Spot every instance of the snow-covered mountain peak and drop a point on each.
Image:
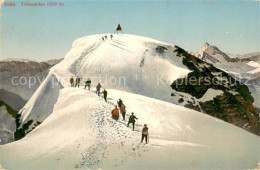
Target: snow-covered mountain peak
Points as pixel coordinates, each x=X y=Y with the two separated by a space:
x=124 y=63
x=202 y=49
x=131 y=39
x=130 y=43
x=78 y=130
x=212 y=54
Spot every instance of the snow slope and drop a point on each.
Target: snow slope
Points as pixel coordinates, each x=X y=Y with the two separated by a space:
x=127 y=62
x=77 y=130
x=210 y=95
x=80 y=133
x=41 y=103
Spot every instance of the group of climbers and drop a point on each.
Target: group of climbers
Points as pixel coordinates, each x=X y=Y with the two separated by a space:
x=105 y=37
x=122 y=108
x=104 y=92
x=115 y=111
x=132 y=118
x=115 y=114
x=76 y=83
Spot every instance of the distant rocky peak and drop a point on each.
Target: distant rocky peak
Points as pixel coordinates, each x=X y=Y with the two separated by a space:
x=213 y=54
x=202 y=49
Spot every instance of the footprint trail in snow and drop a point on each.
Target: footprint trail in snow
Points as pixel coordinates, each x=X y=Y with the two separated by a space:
x=113 y=136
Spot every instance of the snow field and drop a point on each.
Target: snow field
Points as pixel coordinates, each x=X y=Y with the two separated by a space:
x=78 y=131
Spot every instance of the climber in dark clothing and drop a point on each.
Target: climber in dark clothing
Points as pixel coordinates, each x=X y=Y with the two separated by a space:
x=122 y=110
x=105 y=94
x=144 y=133
x=132 y=120
x=98 y=89
x=77 y=82
x=88 y=84
x=119 y=103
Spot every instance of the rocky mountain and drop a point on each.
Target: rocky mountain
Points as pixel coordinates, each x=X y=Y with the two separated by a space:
x=202 y=49
x=54 y=61
x=7 y=123
x=19 y=79
x=252 y=56
x=244 y=68
x=230 y=100
x=12 y=99
x=212 y=54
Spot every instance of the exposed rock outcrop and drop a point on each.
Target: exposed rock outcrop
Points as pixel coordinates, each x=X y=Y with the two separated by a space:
x=235 y=105
x=7 y=125
x=19 y=79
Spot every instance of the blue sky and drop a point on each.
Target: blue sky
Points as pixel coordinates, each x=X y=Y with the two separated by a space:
x=43 y=33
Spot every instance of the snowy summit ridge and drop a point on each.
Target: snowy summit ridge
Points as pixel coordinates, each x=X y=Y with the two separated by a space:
x=78 y=130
